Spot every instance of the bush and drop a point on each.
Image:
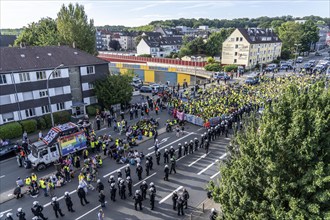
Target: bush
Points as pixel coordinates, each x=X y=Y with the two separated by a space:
x=91 y=110
x=145 y=55
x=61 y=117
x=29 y=126
x=11 y=130
x=48 y=121
x=41 y=123
x=215 y=67
x=231 y=67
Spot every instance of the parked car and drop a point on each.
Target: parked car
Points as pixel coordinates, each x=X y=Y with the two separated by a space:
x=327 y=58
x=319 y=68
x=221 y=76
x=285 y=66
x=300 y=60
x=252 y=80
x=312 y=63
x=7 y=149
x=136 y=82
x=271 y=67
x=146 y=89
x=318 y=53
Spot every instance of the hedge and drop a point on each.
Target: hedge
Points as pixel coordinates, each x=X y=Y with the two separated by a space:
x=29 y=125
x=59 y=118
x=41 y=123
x=91 y=109
x=11 y=130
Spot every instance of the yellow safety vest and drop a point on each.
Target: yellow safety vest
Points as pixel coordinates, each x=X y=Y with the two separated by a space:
x=34 y=177
x=103 y=146
x=92 y=144
x=27 y=181
x=42 y=184
x=81 y=177
x=100 y=161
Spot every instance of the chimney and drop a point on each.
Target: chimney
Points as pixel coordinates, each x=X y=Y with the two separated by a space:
x=74 y=44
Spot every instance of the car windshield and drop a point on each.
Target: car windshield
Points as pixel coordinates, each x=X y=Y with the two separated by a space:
x=34 y=151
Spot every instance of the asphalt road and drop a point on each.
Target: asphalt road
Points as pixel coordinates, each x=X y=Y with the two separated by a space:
x=194 y=171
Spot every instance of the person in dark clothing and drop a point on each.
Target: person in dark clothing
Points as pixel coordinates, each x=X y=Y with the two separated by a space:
x=102 y=198
x=185 y=152
x=137 y=199
x=166 y=171
x=196 y=144
x=37 y=210
x=20 y=214
x=9 y=216
x=109 y=118
x=128 y=171
x=214 y=214
x=144 y=188
x=151 y=163
x=180 y=202
x=122 y=189
x=68 y=202
x=158 y=155
x=129 y=185
x=82 y=195
x=139 y=171
x=166 y=156
x=207 y=144
x=98 y=123
x=171 y=151
x=99 y=185
x=113 y=190
x=180 y=151
x=152 y=195
x=191 y=147
x=173 y=164
x=147 y=167
x=56 y=207
x=174 y=199
x=185 y=196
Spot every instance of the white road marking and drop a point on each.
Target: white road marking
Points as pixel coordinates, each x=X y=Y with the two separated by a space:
x=201 y=157
x=1 y=213
x=208 y=167
x=2 y=176
x=216 y=174
x=123 y=167
x=161 y=142
x=227 y=138
x=92 y=210
x=10 y=195
x=144 y=179
x=169 y=195
x=48 y=204
x=200 y=129
x=103 y=129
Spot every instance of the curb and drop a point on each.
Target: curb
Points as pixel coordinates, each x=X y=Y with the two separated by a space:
x=8 y=195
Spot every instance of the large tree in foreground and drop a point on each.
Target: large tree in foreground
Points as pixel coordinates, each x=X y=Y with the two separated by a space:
x=278 y=166
x=115 y=89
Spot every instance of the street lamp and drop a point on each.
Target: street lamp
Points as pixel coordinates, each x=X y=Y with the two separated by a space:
x=49 y=103
x=295 y=59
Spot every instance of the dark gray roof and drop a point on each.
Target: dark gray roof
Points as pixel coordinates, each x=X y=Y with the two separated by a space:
x=36 y=58
x=162 y=41
x=151 y=34
x=258 y=35
x=6 y=40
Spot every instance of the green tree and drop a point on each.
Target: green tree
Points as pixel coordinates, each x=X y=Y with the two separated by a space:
x=115 y=89
x=310 y=35
x=290 y=33
x=214 y=67
x=73 y=27
x=42 y=33
x=213 y=45
x=114 y=44
x=230 y=67
x=278 y=166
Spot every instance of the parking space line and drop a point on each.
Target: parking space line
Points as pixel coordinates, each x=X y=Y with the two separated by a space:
x=123 y=167
x=216 y=174
x=92 y=210
x=208 y=167
x=201 y=157
x=48 y=204
x=169 y=195
x=144 y=179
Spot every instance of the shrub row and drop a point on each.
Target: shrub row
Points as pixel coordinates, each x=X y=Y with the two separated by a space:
x=92 y=109
x=16 y=129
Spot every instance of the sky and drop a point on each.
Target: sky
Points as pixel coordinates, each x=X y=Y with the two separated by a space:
x=16 y=14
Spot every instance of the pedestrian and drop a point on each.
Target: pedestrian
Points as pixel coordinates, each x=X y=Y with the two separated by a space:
x=113 y=192
x=166 y=156
x=102 y=198
x=100 y=215
x=180 y=203
x=82 y=195
x=158 y=155
x=174 y=199
x=129 y=185
x=20 y=214
x=68 y=202
x=139 y=171
x=166 y=171
x=144 y=188
x=173 y=164
x=137 y=199
x=185 y=196
x=214 y=214
x=152 y=195
x=37 y=210
x=56 y=207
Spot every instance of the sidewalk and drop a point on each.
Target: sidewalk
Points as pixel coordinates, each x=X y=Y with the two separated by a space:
x=203 y=210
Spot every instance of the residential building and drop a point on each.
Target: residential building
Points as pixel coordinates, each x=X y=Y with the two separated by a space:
x=322 y=42
x=248 y=47
x=24 y=72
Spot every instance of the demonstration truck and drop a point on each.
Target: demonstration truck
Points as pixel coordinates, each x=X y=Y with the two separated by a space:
x=59 y=142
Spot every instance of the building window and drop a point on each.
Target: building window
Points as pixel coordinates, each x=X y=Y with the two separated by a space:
x=43 y=93
x=60 y=106
x=30 y=112
x=3 y=79
x=57 y=74
x=27 y=96
x=5 y=99
x=59 y=91
x=91 y=85
x=236 y=38
x=45 y=109
x=90 y=70
x=236 y=46
x=241 y=39
x=6 y=117
x=235 y=53
x=235 y=60
x=41 y=75
x=24 y=77
x=250 y=61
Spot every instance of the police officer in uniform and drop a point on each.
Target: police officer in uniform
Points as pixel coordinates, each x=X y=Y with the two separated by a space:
x=56 y=207
x=127 y=171
x=174 y=199
x=185 y=152
x=144 y=188
x=119 y=174
x=191 y=147
x=180 y=202
x=111 y=180
x=173 y=164
x=139 y=171
x=137 y=199
x=166 y=156
x=147 y=167
x=152 y=185
x=171 y=152
x=118 y=184
x=202 y=140
x=214 y=214
x=196 y=144
x=129 y=185
x=68 y=202
x=185 y=196
x=82 y=195
x=122 y=189
x=37 y=210
x=151 y=163
x=158 y=155
x=166 y=171
x=207 y=144
x=113 y=190
x=9 y=216
x=152 y=195
x=99 y=185
x=20 y=214
x=180 y=150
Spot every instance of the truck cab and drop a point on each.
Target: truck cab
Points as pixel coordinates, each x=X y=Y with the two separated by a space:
x=59 y=141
